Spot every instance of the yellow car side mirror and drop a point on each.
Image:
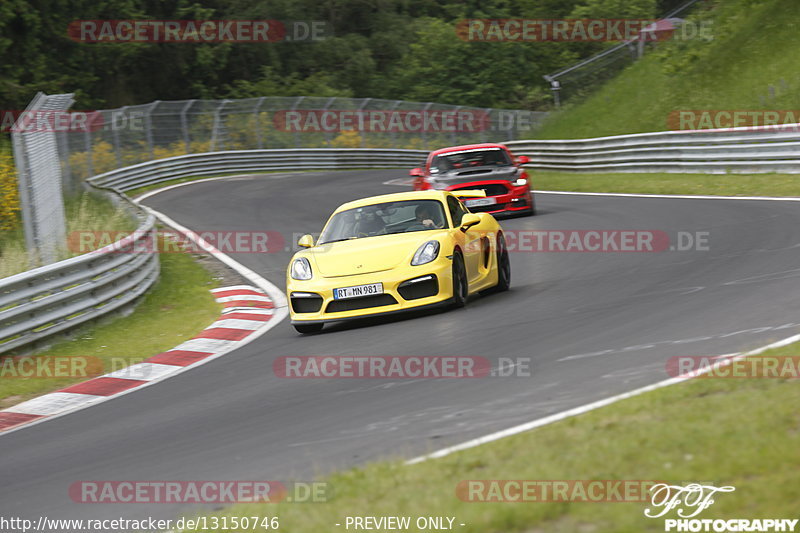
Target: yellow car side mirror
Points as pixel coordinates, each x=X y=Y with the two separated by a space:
x=469 y=220
x=306 y=241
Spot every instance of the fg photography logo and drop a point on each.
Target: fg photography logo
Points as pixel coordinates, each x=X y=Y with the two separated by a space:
x=689 y=501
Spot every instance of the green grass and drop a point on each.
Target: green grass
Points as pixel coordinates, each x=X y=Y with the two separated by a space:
x=743 y=432
x=750 y=64
x=87 y=212
x=664 y=183
x=174 y=310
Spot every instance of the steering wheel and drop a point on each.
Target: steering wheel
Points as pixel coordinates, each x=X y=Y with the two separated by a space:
x=381 y=231
x=417 y=227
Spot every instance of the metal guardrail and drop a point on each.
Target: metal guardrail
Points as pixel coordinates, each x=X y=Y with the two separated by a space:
x=239 y=161
x=51 y=299
x=742 y=150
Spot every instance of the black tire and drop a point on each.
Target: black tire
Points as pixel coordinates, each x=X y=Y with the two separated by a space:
x=308 y=328
x=503 y=265
x=460 y=283
x=532 y=210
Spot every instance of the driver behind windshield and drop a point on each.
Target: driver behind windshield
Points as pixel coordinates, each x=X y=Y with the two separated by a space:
x=425 y=218
x=371 y=223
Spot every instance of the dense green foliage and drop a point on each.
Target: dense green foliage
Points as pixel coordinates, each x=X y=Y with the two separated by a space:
x=405 y=49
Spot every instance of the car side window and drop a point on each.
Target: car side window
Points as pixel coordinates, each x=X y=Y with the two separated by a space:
x=457 y=210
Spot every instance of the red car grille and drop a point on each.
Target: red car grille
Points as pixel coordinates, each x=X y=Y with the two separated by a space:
x=487 y=208
x=491 y=189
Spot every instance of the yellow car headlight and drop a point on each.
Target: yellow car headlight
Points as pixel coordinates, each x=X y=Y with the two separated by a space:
x=301 y=269
x=426 y=253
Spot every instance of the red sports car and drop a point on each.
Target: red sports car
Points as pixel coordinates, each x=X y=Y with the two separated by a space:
x=487 y=167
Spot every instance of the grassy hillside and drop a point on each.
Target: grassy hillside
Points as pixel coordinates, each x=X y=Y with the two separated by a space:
x=751 y=63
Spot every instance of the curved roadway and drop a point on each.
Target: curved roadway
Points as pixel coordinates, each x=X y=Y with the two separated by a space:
x=592 y=324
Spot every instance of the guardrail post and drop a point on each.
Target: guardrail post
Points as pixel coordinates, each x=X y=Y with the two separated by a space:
x=187 y=141
x=257 y=122
x=425 y=131
x=148 y=128
x=364 y=102
x=297 y=133
x=453 y=139
x=557 y=93
x=71 y=183
x=486 y=132
x=115 y=135
x=218 y=126
x=326 y=133
x=87 y=140
x=393 y=134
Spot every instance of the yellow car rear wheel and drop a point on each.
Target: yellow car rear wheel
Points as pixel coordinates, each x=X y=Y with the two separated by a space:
x=460 y=283
x=503 y=265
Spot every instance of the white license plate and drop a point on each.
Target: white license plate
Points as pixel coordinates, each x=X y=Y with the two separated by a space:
x=477 y=202
x=358 y=290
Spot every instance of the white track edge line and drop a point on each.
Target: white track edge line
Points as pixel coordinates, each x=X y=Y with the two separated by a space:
x=676 y=196
x=278 y=298
x=620 y=194
x=535 y=423
x=584 y=408
x=148 y=194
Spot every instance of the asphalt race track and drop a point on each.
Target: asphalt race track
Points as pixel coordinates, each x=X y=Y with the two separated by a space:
x=592 y=324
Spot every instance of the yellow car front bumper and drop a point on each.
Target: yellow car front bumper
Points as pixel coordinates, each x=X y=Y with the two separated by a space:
x=408 y=288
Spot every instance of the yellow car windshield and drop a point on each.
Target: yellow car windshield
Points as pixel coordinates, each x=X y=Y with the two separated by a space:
x=385 y=218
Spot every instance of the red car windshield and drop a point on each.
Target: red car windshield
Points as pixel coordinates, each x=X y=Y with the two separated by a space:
x=496 y=157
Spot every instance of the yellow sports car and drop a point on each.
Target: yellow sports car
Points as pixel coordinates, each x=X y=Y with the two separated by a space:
x=394 y=253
